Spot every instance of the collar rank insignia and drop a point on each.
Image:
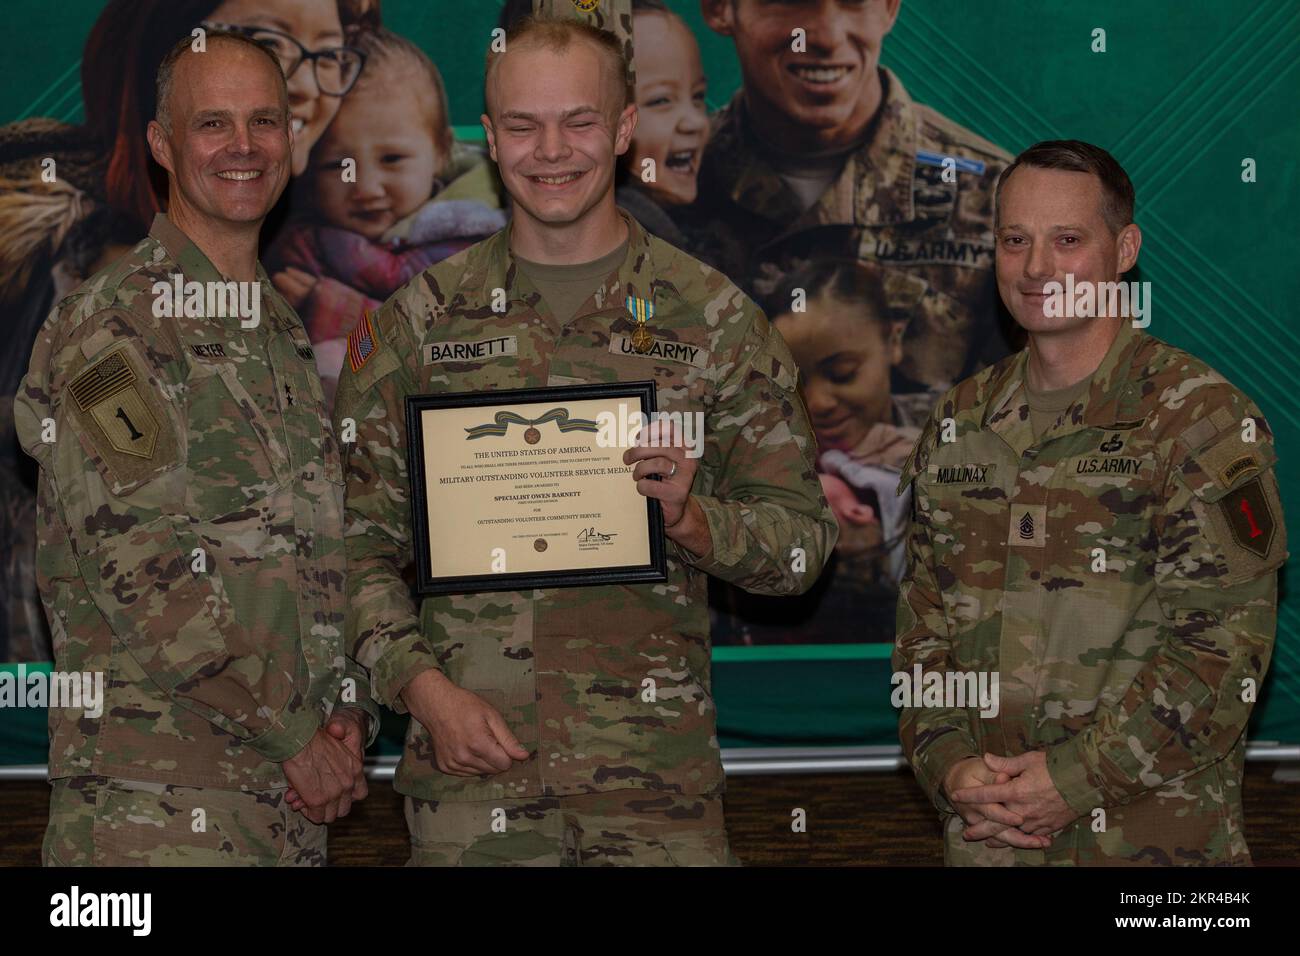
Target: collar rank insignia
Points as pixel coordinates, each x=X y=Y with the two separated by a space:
x=641 y=309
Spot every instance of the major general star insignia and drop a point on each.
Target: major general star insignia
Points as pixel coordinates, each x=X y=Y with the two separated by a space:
x=109 y=393
x=641 y=309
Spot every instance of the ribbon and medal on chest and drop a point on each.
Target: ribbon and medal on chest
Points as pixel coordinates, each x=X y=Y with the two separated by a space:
x=642 y=342
x=641 y=309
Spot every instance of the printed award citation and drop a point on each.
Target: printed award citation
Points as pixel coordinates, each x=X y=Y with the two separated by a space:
x=526 y=488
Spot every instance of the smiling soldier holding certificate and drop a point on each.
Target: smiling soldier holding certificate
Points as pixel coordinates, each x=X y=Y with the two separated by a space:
x=568 y=724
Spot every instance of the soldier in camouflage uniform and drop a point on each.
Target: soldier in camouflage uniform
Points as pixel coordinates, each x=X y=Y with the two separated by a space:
x=1114 y=562
x=191 y=523
x=532 y=739
x=798 y=169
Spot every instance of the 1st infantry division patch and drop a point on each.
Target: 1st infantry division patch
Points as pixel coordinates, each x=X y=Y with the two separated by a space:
x=1250 y=517
x=109 y=393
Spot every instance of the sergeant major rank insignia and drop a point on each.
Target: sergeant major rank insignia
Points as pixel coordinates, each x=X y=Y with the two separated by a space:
x=1028 y=526
x=109 y=393
x=641 y=309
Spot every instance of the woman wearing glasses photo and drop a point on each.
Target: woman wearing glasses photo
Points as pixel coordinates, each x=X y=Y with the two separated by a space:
x=308 y=38
x=106 y=192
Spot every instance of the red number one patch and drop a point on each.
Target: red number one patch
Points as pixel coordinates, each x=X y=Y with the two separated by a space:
x=1255 y=532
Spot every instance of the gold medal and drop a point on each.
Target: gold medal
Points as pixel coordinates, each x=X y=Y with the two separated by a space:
x=642 y=340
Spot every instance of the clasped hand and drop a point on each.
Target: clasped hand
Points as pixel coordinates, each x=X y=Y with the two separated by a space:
x=327 y=775
x=1008 y=801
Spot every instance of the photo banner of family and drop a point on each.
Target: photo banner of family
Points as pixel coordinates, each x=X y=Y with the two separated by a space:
x=849 y=192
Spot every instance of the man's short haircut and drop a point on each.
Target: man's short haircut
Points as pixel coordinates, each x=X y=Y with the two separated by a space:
x=1080 y=157
x=166 y=69
x=385 y=50
x=555 y=34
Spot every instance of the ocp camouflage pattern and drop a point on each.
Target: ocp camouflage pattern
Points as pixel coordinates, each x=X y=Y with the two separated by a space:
x=107 y=821
x=565 y=666
x=1096 y=570
x=890 y=206
x=611 y=828
x=203 y=571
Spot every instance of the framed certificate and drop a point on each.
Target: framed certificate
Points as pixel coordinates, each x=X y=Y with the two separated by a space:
x=526 y=488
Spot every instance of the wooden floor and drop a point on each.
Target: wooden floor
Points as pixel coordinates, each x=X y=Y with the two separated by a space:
x=876 y=819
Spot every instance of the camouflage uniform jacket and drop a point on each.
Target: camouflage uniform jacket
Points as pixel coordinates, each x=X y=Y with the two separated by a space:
x=565 y=666
x=890 y=205
x=191 y=529
x=1119 y=574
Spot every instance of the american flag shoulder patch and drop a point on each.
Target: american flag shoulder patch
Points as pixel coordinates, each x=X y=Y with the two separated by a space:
x=361 y=343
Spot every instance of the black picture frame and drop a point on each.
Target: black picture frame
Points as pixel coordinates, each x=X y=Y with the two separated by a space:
x=426 y=583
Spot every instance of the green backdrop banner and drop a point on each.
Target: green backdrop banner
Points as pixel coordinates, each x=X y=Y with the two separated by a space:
x=1185 y=92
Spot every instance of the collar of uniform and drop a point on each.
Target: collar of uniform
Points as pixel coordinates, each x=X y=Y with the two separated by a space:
x=880 y=172
x=1006 y=411
x=195 y=266
x=282 y=315
x=635 y=276
x=884 y=167
x=1110 y=396
x=732 y=162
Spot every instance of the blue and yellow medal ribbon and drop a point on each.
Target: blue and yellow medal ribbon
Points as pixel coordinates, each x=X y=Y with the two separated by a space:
x=641 y=309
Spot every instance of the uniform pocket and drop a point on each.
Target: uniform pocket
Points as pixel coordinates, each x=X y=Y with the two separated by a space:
x=143 y=577
x=477 y=375
x=518 y=708
x=964 y=508
x=235 y=455
x=1104 y=505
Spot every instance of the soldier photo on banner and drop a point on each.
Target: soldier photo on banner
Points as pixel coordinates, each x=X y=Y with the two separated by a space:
x=819 y=162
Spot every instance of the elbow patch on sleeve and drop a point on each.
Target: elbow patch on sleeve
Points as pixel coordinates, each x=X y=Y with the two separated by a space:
x=143 y=585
